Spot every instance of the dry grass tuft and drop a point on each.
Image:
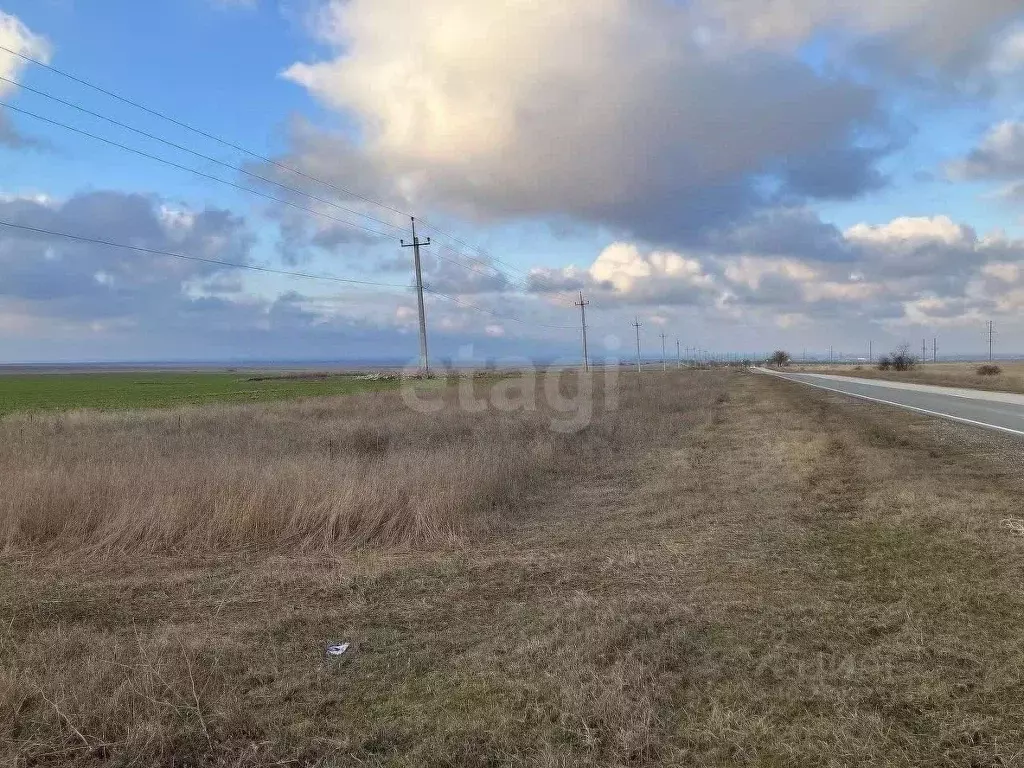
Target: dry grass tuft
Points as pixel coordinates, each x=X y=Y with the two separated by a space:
x=1008 y=377
x=312 y=476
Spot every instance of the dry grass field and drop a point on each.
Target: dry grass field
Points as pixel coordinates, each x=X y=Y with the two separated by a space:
x=727 y=569
x=941 y=374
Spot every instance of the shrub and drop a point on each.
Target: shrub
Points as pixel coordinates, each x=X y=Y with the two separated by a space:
x=989 y=370
x=902 y=359
x=884 y=363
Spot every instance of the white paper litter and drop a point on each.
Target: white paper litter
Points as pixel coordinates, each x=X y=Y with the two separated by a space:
x=1014 y=524
x=337 y=650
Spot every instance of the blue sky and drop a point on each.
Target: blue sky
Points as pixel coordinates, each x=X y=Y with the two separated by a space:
x=740 y=176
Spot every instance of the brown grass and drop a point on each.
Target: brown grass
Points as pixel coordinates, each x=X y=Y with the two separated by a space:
x=1009 y=379
x=762 y=574
x=359 y=470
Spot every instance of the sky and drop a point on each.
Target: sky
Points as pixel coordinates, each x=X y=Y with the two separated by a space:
x=738 y=175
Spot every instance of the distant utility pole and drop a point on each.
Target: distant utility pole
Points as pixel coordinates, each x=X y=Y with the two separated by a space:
x=637 y=326
x=991 y=334
x=830 y=356
x=664 y=364
x=679 y=355
x=935 y=349
x=415 y=245
x=583 y=317
x=871 y=351
x=924 y=350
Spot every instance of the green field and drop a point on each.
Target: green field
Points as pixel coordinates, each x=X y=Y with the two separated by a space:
x=118 y=391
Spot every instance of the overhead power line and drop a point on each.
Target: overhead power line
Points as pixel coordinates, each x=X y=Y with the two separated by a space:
x=238 y=169
x=194 y=171
x=498 y=315
x=194 y=153
x=197 y=131
x=258 y=268
x=488 y=261
x=190 y=257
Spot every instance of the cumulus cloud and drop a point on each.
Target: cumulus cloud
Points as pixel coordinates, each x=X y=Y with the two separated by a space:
x=911 y=232
x=75 y=281
x=909 y=271
x=17 y=37
x=940 y=33
x=1000 y=155
x=1008 y=56
x=627 y=274
x=606 y=110
x=65 y=299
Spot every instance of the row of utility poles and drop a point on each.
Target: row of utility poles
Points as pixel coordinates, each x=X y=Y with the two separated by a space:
x=416 y=244
x=991 y=332
x=692 y=353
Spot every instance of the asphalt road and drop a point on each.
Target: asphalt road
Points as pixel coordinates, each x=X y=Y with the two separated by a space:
x=1001 y=411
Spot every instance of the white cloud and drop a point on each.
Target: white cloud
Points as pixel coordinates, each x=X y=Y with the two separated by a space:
x=1008 y=56
x=912 y=231
x=938 y=31
x=17 y=37
x=750 y=271
x=1000 y=155
x=602 y=110
x=624 y=266
x=1007 y=273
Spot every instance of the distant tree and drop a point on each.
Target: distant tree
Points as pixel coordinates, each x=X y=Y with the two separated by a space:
x=780 y=358
x=903 y=359
x=885 y=363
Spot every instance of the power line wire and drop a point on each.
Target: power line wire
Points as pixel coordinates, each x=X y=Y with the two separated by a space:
x=257 y=268
x=195 y=171
x=485 y=261
x=193 y=152
x=262 y=158
x=237 y=169
x=189 y=257
x=511 y=318
x=193 y=129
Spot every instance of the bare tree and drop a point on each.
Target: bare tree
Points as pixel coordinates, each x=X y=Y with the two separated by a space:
x=780 y=358
x=900 y=360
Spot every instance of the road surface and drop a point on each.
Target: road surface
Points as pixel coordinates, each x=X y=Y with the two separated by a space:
x=1001 y=411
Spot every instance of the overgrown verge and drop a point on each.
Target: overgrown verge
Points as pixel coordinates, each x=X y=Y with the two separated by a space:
x=1006 y=378
x=313 y=476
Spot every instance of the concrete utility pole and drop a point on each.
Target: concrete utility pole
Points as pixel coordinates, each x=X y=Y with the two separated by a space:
x=871 y=351
x=830 y=355
x=583 y=317
x=664 y=365
x=991 y=334
x=924 y=350
x=637 y=326
x=935 y=349
x=679 y=355
x=415 y=245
